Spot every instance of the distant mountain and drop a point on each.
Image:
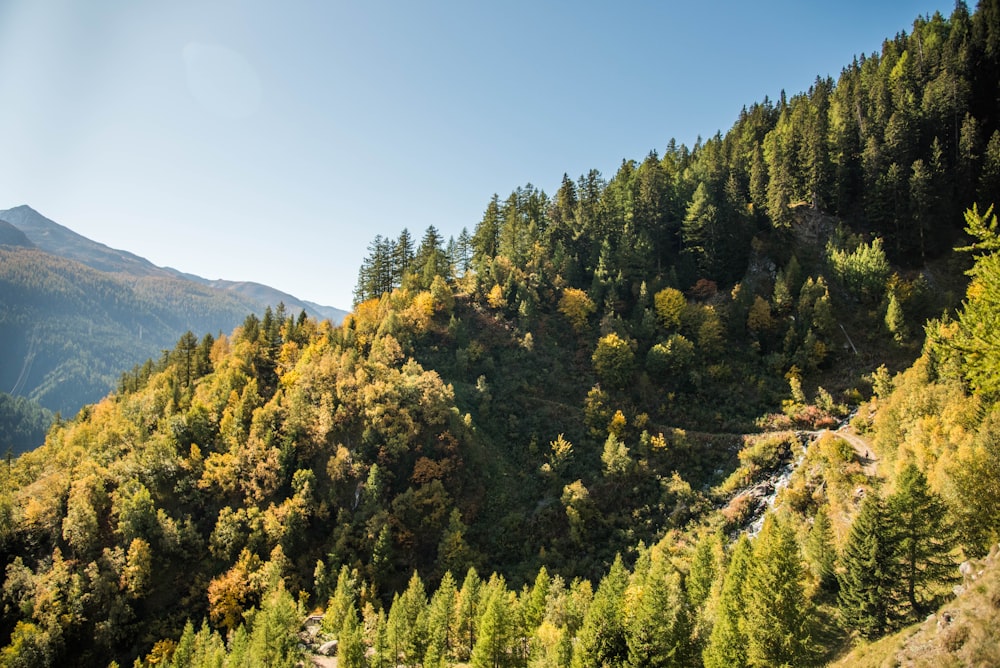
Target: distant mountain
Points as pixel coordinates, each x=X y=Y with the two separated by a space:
x=11 y=236
x=76 y=314
x=265 y=294
x=51 y=237
x=54 y=238
x=327 y=312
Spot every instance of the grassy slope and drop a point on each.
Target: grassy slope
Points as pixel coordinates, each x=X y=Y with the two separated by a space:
x=963 y=632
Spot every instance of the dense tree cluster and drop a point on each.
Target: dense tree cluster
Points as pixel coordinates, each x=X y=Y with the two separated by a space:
x=900 y=143
x=587 y=398
x=395 y=264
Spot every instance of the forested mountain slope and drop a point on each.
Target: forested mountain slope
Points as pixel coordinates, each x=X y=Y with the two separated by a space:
x=69 y=331
x=75 y=314
x=56 y=239
x=61 y=241
x=576 y=397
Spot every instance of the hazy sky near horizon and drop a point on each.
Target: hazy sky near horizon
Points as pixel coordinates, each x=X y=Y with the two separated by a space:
x=271 y=142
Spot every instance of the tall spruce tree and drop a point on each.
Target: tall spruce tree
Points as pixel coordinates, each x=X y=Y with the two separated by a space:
x=868 y=593
x=601 y=640
x=779 y=615
x=376 y=275
x=727 y=643
x=402 y=257
x=924 y=540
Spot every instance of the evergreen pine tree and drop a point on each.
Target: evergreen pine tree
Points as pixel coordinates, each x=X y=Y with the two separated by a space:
x=486 y=239
x=779 y=616
x=700 y=232
x=924 y=539
x=727 y=642
x=463 y=251
x=868 y=601
x=402 y=257
x=601 y=640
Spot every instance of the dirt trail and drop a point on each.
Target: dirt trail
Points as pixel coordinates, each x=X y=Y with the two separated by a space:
x=863 y=447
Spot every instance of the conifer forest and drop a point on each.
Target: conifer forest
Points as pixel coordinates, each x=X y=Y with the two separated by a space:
x=735 y=404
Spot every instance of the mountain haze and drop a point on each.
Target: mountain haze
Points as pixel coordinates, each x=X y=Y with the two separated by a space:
x=11 y=236
x=51 y=237
x=75 y=314
x=54 y=238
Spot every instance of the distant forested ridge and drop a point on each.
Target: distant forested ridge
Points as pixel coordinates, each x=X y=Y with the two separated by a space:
x=70 y=330
x=75 y=314
x=734 y=406
x=23 y=424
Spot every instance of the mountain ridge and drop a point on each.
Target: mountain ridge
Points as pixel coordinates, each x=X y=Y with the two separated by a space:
x=12 y=236
x=50 y=236
x=75 y=314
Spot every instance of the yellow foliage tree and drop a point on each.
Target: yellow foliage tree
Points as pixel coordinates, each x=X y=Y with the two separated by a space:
x=670 y=305
x=235 y=591
x=614 y=360
x=577 y=306
x=495 y=298
x=138 y=568
x=759 y=319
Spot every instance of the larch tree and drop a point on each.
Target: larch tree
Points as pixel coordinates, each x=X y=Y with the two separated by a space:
x=821 y=553
x=342 y=602
x=979 y=320
x=976 y=477
x=779 y=615
x=440 y=622
x=601 y=640
x=467 y=615
x=351 y=643
x=727 y=642
x=497 y=627
x=658 y=622
x=614 y=360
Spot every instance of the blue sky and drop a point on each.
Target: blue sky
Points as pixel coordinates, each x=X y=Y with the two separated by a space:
x=271 y=141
